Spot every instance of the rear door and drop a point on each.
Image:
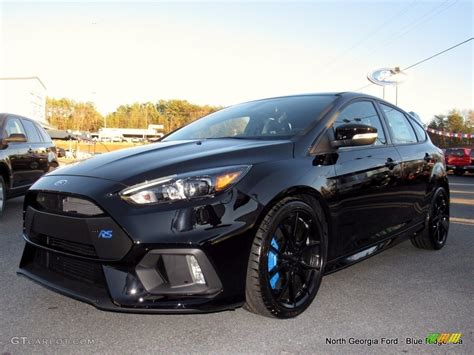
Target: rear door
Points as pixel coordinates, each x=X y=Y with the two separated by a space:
x=367 y=202
x=50 y=148
x=417 y=162
x=37 y=150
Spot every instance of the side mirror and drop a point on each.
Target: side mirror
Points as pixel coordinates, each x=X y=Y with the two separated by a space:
x=15 y=138
x=354 y=134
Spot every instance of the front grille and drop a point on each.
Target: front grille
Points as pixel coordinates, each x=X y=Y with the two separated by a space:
x=65 y=204
x=65 y=245
x=85 y=271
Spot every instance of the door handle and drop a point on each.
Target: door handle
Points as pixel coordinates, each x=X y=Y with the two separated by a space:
x=390 y=163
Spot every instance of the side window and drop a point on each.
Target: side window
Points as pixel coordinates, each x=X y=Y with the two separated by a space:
x=362 y=112
x=420 y=131
x=401 y=129
x=44 y=135
x=32 y=133
x=14 y=126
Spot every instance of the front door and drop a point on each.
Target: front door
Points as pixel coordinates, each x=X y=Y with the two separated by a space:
x=367 y=204
x=19 y=156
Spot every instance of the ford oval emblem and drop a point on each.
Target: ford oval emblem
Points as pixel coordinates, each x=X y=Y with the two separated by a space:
x=387 y=76
x=60 y=183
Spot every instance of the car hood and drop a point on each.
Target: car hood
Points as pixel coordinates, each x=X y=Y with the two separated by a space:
x=135 y=165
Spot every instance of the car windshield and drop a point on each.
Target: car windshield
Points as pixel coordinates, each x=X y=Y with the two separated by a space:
x=277 y=118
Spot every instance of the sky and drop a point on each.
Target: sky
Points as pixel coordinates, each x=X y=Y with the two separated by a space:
x=226 y=52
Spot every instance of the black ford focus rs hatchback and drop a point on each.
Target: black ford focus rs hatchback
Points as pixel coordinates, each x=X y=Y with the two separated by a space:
x=249 y=206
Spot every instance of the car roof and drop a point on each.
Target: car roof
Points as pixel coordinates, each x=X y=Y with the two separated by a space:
x=5 y=114
x=345 y=94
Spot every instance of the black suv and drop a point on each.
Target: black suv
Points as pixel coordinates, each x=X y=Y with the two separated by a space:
x=26 y=154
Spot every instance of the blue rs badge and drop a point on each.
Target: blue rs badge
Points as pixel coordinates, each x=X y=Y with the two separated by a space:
x=106 y=233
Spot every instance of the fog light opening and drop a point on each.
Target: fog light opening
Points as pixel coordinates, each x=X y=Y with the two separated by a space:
x=195 y=270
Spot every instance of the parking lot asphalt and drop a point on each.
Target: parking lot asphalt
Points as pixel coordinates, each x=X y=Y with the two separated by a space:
x=401 y=293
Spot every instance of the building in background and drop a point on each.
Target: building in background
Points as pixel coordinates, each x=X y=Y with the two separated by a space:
x=24 y=96
x=153 y=131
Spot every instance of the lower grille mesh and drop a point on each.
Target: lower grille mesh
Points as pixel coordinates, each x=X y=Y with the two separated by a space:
x=72 y=268
x=65 y=245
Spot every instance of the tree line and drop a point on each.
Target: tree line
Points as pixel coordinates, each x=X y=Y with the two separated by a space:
x=455 y=121
x=67 y=114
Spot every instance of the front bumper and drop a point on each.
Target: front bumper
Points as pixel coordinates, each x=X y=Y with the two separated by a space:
x=117 y=289
x=144 y=266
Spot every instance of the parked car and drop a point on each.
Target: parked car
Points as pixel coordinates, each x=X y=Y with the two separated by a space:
x=26 y=154
x=250 y=205
x=118 y=139
x=460 y=160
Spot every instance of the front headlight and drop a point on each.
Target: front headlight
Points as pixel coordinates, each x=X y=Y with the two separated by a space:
x=203 y=183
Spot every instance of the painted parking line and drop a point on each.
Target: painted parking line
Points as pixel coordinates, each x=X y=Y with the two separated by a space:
x=463 y=201
x=461 y=192
x=466 y=221
x=460 y=184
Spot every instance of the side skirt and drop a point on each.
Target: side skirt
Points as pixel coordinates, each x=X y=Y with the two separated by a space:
x=350 y=259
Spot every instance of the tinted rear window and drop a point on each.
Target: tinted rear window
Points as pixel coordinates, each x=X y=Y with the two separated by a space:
x=44 y=135
x=31 y=132
x=419 y=130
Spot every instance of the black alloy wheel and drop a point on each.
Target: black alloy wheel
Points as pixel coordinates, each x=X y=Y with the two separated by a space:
x=436 y=232
x=287 y=259
x=439 y=219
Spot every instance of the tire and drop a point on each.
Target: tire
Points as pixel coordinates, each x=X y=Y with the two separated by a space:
x=435 y=233
x=3 y=195
x=286 y=264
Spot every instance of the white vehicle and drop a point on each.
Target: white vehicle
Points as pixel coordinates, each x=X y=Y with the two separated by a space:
x=117 y=139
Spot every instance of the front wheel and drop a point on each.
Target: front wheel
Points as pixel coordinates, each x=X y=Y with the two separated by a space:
x=436 y=231
x=287 y=258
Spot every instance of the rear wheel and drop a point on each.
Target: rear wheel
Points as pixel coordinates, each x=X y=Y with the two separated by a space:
x=287 y=259
x=3 y=195
x=436 y=232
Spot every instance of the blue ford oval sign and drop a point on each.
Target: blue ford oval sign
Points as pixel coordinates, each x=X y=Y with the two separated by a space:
x=387 y=76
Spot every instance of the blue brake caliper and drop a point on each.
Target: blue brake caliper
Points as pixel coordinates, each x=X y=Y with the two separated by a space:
x=272 y=262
